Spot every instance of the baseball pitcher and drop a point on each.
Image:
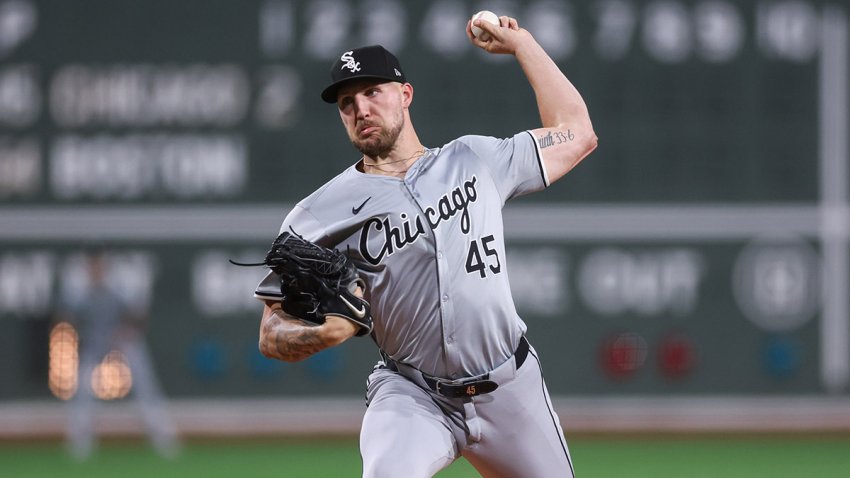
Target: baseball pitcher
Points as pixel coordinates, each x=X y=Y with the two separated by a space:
x=407 y=246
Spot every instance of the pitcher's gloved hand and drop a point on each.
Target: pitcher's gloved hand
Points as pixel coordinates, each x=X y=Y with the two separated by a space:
x=317 y=281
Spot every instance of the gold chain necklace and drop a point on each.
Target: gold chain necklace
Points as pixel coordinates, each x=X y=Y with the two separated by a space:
x=418 y=152
x=377 y=166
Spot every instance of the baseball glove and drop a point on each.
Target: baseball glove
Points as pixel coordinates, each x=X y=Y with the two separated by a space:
x=317 y=282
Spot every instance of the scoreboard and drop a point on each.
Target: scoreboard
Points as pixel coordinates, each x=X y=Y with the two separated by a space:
x=702 y=249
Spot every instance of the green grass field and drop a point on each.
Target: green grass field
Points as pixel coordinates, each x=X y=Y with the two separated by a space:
x=608 y=456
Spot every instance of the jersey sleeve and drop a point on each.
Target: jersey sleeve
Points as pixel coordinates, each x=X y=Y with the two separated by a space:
x=301 y=222
x=515 y=163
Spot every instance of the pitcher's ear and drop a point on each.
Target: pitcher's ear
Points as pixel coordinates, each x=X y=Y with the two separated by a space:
x=407 y=94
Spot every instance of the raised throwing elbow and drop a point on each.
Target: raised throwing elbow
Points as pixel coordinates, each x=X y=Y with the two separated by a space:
x=592 y=142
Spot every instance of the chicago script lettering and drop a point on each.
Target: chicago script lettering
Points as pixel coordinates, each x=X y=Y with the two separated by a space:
x=394 y=238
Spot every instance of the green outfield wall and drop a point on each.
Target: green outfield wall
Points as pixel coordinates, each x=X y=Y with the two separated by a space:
x=701 y=250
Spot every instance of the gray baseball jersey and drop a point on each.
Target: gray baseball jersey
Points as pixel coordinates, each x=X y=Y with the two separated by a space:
x=431 y=250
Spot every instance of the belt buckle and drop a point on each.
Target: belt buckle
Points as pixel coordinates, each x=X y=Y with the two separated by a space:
x=439 y=382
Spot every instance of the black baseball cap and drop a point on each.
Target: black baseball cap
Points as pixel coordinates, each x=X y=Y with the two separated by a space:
x=365 y=62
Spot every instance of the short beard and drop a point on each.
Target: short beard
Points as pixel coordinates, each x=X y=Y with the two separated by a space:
x=380 y=146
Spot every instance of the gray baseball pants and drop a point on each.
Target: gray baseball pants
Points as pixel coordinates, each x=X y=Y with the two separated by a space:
x=409 y=430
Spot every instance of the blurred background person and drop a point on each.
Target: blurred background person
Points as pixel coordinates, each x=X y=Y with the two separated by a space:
x=111 y=332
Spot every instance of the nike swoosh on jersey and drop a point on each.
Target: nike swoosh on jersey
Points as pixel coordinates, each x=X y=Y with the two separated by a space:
x=356 y=210
x=359 y=313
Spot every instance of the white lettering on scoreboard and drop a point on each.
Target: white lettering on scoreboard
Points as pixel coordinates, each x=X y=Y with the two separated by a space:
x=26 y=283
x=20 y=167
x=214 y=100
x=35 y=283
x=146 y=95
x=20 y=96
x=614 y=281
x=143 y=165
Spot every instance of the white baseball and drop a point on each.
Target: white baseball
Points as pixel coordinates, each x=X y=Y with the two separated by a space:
x=487 y=16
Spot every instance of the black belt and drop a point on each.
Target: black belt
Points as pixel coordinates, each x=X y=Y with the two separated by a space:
x=466 y=387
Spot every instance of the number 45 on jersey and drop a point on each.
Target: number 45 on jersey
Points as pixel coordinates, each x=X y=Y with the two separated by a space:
x=476 y=262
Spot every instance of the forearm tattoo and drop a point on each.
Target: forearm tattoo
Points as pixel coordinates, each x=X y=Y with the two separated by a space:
x=554 y=138
x=290 y=340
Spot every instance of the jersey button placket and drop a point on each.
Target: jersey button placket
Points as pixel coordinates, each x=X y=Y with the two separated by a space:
x=446 y=309
x=448 y=322
x=452 y=352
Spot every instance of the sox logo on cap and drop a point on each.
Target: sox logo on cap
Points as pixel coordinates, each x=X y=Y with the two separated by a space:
x=350 y=63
